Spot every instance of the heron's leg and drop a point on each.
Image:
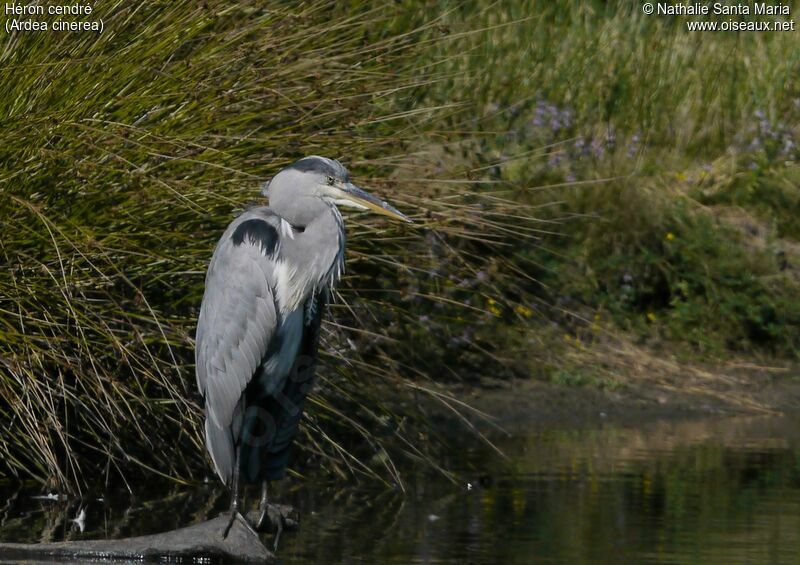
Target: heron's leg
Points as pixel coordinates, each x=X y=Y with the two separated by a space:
x=278 y=533
x=234 y=493
x=262 y=506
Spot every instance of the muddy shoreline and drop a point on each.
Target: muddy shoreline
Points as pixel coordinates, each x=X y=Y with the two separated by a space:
x=529 y=403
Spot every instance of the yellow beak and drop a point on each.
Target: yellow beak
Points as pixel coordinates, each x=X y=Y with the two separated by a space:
x=363 y=198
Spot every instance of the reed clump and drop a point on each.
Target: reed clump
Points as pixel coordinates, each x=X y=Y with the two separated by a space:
x=125 y=154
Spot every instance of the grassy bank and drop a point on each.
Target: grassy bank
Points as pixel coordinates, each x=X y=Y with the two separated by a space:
x=667 y=159
x=574 y=170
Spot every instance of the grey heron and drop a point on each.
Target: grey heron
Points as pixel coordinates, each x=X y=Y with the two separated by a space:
x=266 y=291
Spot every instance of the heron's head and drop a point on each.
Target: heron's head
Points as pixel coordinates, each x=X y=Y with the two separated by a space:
x=326 y=180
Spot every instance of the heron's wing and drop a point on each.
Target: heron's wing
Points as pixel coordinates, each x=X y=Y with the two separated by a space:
x=237 y=321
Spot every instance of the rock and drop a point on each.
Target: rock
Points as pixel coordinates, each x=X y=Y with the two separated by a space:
x=200 y=540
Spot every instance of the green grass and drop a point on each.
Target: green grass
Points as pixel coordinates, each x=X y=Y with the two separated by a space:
x=545 y=149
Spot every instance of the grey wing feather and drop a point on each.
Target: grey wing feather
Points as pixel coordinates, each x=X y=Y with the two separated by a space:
x=237 y=320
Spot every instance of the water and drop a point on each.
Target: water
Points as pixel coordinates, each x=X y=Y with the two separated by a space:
x=720 y=491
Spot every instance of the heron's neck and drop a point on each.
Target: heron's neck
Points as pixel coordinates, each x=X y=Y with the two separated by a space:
x=315 y=255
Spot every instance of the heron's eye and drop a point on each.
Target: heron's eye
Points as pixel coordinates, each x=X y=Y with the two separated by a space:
x=330 y=181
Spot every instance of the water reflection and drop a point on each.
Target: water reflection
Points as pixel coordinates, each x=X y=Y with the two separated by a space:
x=723 y=491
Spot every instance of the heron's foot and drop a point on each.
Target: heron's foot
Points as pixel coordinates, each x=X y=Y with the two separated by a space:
x=276 y=516
x=279 y=516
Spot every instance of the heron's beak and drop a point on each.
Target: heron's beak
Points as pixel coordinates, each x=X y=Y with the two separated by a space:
x=364 y=199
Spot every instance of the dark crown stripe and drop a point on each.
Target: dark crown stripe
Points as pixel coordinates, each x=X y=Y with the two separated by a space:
x=319 y=165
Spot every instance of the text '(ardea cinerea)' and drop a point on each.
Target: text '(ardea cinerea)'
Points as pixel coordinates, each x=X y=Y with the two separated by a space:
x=266 y=290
